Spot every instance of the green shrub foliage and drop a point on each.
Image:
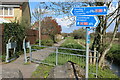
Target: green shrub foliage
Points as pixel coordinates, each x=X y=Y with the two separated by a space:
x=71 y=43
x=17 y=31
x=46 y=42
x=114 y=53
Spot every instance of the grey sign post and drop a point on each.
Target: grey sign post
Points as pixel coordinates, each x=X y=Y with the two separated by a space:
x=87 y=21
x=87 y=50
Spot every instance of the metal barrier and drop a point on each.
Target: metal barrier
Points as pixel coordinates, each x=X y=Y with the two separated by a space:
x=60 y=56
x=25 y=46
x=10 y=45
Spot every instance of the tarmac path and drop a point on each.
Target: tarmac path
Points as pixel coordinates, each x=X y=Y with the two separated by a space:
x=29 y=68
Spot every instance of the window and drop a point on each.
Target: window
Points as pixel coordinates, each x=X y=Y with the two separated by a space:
x=6 y=11
x=10 y=11
x=1 y=11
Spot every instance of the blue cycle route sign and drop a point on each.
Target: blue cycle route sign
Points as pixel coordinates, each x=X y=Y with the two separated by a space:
x=87 y=21
x=83 y=19
x=99 y=10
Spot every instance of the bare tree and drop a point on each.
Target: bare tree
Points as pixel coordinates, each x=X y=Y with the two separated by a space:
x=105 y=21
x=99 y=41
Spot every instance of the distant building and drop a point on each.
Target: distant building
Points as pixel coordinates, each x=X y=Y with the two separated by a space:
x=15 y=11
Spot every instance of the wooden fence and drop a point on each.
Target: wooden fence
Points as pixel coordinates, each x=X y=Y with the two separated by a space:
x=1 y=38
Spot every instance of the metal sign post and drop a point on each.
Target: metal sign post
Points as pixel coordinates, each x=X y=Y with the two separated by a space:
x=87 y=50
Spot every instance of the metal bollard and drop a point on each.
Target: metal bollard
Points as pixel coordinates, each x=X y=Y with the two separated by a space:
x=56 y=56
x=7 y=53
x=30 y=54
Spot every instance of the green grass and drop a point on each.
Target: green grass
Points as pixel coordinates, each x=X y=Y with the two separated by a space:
x=114 y=53
x=71 y=43
x=37 y=47
x=115 y=48
x=83 y=42
x=69 y=37
x=27 y=63
x=62 y=59
x=42 y=71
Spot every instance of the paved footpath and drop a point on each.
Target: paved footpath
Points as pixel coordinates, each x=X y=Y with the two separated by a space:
x=28 y=69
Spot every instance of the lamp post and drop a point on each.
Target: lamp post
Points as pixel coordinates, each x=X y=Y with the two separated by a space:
x=39 y=11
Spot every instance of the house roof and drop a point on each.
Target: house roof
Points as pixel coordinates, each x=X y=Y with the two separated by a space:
x=10 y=2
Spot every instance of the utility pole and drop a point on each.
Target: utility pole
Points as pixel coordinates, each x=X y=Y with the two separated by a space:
x=39 y=26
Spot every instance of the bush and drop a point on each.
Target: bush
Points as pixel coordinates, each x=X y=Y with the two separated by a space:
x=79 y=34
x=114 y=53
x=71 y=43
x=46 y=42
x=17 y=31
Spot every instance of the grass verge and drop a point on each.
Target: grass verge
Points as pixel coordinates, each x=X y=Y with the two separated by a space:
x=42 y=71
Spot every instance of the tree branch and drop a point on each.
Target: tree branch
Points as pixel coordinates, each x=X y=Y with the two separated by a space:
x=112 y=20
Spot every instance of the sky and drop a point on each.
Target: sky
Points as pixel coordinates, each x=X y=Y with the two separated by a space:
x=61 y=21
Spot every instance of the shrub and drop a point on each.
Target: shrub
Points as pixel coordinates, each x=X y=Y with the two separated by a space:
x=45 y=42
x=71 y=43
x=114 y=53
x=17 y=31
x=79 y=34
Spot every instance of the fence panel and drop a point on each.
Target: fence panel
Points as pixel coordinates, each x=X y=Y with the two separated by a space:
x=60 y=56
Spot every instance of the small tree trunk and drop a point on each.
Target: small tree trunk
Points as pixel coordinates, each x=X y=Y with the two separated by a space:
x=104 y=52
x=94 y=59
x=90 y=58
x=101 y=60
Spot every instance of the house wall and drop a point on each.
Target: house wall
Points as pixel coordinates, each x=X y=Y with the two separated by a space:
x=26 y=17
x=17 y=15
x=21 y=14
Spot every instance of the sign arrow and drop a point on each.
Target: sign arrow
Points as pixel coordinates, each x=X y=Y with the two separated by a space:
x=87 y=21
x=99 y=10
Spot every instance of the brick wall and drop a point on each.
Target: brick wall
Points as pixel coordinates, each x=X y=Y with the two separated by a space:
x=32 y=35
x=45 y=37
x=1 y=38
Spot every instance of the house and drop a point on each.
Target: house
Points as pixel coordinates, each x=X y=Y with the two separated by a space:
x=59 y=37
x=15 y=11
